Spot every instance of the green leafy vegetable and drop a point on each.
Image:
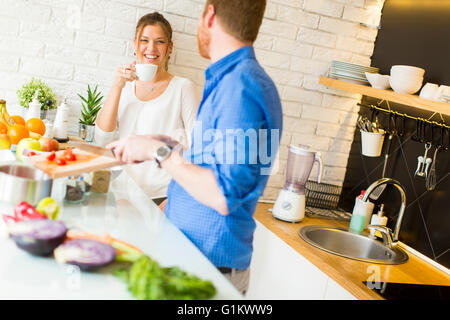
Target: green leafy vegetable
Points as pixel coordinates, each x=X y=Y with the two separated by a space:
x=148 y=281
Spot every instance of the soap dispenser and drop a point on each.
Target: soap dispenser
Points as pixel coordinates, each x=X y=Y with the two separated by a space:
x=61 y=122
x=34 y=107
x=378 y=219
x=361 y=213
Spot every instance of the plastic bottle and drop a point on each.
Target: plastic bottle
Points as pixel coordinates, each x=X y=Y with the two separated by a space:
x=60 y=124
x=378 y=219
x=361 y=211
x=34 y=108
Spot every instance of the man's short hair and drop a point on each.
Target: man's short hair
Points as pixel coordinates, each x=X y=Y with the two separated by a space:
x=240 y=18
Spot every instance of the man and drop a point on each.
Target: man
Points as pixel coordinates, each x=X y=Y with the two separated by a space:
x=217 y=182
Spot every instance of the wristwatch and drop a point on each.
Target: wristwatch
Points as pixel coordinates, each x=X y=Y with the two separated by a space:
x=162 y=153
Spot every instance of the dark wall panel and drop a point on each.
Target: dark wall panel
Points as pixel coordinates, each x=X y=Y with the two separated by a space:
x=417 y=33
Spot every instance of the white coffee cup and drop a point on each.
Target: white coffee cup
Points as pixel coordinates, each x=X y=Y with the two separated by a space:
x=429 y=91
x=146 y=71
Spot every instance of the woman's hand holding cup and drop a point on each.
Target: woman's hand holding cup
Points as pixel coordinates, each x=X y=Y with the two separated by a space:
x=125 y=73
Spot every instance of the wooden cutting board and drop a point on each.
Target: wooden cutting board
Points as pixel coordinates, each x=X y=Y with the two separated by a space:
x=85 y=162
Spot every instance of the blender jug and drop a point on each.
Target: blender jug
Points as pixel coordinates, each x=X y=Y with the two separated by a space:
x=299 y=165
x=291 y=203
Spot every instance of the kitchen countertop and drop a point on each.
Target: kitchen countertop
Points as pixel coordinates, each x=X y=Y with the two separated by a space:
x=125 y=213
x=350 y=273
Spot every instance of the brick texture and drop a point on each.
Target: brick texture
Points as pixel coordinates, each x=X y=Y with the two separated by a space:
x=72 y=43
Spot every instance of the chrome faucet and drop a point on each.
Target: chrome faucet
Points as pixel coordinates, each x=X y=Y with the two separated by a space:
x=393 y=239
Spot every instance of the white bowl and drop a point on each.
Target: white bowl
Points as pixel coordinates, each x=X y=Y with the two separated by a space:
x=378 y=81
x=407 y=71
x=405 y=85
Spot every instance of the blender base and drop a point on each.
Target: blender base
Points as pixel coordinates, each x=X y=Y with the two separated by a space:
x=289 y=206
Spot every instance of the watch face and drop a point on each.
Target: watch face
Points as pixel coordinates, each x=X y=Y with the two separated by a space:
x=163 y=151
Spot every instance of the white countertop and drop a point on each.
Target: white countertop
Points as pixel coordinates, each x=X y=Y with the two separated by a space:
x=125 y=213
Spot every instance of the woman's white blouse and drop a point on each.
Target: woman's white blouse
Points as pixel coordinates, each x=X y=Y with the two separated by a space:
x=173 y=113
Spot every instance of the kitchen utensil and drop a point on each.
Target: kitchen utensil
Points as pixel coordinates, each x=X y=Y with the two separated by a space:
x=429 y=91
x=409 y=71
x=428 y=162
x=423 y=162
x=378 y=191
x=291 y=203
x=371 y=143
x=146 y=71
x=93 y=148
x=60 y=125
x=85 y=162
x=350 y=72
x=405 y=85
x=431 y=180
x=441 y=93
x=406 y=79
x=420 y=162
x=377 y=80
x=23 y=183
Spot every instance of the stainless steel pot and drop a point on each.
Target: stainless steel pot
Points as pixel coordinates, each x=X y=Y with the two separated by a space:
x=23 y=183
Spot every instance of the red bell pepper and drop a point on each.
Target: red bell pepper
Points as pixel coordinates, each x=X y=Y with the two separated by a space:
x=25 y=211
x=9 y=219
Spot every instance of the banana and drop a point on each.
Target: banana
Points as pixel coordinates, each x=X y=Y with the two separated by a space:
x=5 y=117
x=2 y=111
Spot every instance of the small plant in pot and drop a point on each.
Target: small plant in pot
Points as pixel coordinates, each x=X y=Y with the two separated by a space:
x=46 y=96
x=91 y=105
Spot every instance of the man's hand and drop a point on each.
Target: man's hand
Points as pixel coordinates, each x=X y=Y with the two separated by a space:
x=136 y=148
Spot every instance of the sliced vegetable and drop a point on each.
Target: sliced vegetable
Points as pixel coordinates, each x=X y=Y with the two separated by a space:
x=124 y=250
x=51 y=156
x=61 y=162
x=48 y=207
x=31 y=153
x=38 y=237
x=86 y=254
x=25 y=211
x=70 y=157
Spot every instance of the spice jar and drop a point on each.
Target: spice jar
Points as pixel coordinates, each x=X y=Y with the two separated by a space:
x=75 y=189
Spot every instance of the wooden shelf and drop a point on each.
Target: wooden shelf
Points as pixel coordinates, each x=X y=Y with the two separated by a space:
x=392 y=96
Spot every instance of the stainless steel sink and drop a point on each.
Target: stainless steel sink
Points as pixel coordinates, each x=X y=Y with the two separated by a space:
x=351 y=245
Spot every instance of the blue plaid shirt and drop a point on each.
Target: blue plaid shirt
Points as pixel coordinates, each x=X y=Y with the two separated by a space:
x=236 y=135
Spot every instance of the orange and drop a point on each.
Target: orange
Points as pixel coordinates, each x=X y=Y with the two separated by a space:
x=17 y=132
x=36 y=125
x=3 y=128
x=18 y=120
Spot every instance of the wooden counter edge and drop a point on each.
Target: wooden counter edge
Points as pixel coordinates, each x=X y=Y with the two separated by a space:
x=335 y=266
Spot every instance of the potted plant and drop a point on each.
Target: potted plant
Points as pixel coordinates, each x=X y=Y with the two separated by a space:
x=91 y=105
x=46 y=96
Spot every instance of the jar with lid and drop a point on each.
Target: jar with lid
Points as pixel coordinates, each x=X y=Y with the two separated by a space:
x=75 y=189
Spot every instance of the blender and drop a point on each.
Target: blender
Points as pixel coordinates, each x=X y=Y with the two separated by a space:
x=291 y=203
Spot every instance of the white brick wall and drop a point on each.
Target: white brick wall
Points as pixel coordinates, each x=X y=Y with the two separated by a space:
x=72 y=43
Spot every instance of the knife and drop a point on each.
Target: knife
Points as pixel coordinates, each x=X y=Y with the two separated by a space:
x=92 y=148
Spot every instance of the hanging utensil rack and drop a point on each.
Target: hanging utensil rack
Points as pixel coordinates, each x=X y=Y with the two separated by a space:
x=425 y=128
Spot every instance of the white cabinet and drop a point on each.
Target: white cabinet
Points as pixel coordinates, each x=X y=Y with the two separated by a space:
x=280 y=272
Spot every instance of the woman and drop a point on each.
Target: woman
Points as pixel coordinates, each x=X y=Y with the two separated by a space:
x=165 y=105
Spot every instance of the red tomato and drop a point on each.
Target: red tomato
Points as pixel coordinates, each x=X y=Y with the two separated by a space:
x=31 y=153
x=61 y=162
x=51 y=156
x=68 y=151
x=71 y=157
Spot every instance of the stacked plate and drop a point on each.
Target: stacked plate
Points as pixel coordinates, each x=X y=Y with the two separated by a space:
x=350 y=72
